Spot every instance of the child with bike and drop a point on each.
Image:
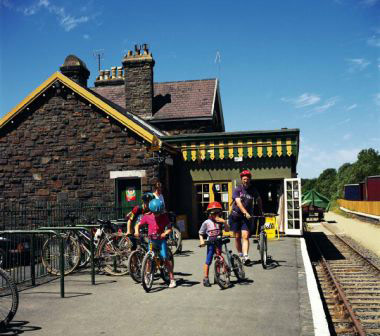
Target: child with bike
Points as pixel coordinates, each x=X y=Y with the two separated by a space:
x=211 y=228
x=135 y=216
x=158 y=229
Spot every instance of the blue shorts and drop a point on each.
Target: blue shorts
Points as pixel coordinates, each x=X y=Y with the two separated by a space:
x=211 y=251
x=239 y=223
x=162 y=247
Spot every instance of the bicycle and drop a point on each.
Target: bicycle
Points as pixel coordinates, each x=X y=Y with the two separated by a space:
x=111 y=250
x=9 y=299
x=223 y=267
x=136 y=257
x=151 y=263
x=175 y=237
x=263 y=239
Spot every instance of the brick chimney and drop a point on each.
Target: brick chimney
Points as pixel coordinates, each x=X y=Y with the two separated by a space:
x=138 y=76
x=75 y=69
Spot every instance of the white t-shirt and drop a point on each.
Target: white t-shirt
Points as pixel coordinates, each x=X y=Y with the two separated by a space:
x=161 y=198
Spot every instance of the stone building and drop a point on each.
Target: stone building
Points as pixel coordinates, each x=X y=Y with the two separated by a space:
x=105 y=144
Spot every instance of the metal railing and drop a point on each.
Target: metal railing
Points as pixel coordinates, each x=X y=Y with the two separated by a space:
x=20 y=250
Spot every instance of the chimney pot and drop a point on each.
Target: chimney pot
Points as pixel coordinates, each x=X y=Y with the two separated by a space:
x=113 y=71
x=120 y=72
x=101 y=75
x=107 y=74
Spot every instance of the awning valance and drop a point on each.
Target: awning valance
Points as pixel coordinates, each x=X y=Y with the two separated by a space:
x=235 y=149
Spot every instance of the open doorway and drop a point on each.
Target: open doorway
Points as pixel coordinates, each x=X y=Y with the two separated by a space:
x=270 y=192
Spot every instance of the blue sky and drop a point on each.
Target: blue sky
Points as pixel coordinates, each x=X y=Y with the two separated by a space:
x=313 y=65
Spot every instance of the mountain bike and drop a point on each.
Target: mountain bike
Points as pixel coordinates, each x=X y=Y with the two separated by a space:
x=136 y=257
x=174 y=240
x=8 y=299
x=152 y=264
x=263 y=239
x=223 y=267
x=111 y=250
x=51 y=252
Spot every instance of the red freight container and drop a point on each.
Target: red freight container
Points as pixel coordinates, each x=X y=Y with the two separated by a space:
x=363 y=191
x=373 y=188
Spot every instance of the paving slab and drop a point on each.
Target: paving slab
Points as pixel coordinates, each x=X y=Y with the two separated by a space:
x=271 y=302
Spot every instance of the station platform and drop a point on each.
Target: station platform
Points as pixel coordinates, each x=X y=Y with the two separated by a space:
x=275 y=301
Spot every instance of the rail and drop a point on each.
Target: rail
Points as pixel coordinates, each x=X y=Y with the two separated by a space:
x=355 y=320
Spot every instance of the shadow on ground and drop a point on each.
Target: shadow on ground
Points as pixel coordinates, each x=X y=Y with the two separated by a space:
x=18 y=328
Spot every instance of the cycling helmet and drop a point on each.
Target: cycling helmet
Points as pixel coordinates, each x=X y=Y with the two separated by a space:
x=245 y=173
x=214 y=206
x=147 y=197
x=156 y=205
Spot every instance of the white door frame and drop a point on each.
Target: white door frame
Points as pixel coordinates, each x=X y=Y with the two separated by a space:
x=293 y=210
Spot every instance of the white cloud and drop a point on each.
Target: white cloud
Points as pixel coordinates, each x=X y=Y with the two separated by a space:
x=369 y=3
x=351 y=107
x=6 y=3
x=313 y=160
x=376 y=98
x=86 y=36
x=374 y=41
x=67 y=21
x=357 y=64
x=306 y=99
x=322 y=108
x=345 y=121
x=347 y=136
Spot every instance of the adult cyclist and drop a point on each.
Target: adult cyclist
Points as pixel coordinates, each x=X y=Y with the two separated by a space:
x=244 y=197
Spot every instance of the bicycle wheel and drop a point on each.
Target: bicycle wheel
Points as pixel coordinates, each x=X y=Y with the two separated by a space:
x=237 y=267
x=222 y=275
x=51 y=254
x=147 y=272
x=134 y=264
x=112 y=259
x=263 y=249
x=175 y=241
x=8 y=299
x=85 y=253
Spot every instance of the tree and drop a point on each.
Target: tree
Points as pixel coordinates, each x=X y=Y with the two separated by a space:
x=326 y=182
x=367 y=164
x=308 y=184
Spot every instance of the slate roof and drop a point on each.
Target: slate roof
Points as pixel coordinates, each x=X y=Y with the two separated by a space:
x=172 y=100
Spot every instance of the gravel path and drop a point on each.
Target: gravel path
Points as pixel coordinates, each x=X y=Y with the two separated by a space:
x=366 y=234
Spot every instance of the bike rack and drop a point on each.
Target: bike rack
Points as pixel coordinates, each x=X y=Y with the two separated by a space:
x=32 y=257
x=87 y=227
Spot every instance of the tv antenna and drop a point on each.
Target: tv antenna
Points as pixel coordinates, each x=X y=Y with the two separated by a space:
x=218 y=60
x=98 y=54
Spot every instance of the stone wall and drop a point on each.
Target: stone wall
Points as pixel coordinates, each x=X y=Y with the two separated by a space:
x=64 y=148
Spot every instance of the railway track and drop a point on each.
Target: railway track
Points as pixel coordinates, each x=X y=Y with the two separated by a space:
x=350 y=285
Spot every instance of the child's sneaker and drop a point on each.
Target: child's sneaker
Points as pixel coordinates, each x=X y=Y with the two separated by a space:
x=173 y=284
x=206 y=282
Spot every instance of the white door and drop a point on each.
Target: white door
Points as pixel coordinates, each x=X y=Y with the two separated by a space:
x=292 y=208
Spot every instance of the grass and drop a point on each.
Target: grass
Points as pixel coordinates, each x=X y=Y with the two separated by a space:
x=334 y=207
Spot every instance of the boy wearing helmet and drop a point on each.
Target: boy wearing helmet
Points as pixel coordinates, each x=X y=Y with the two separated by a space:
x=211 y=228
x=244 y=197
x=158 y=228
x=135 y=215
